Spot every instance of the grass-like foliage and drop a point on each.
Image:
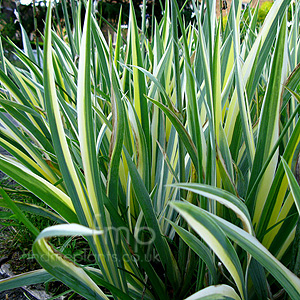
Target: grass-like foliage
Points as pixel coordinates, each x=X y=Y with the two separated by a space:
x=172 y=157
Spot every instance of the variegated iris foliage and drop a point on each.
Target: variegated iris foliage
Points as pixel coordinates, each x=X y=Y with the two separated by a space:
x=173 y=157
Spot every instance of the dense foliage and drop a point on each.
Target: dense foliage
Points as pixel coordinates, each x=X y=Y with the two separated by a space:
x=173 y=156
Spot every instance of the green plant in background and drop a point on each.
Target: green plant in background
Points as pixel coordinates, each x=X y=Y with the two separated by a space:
x=263 y=11
x=8 y=28
x=169 y=156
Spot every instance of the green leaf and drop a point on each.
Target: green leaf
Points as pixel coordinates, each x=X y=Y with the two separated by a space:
x=215 y=238
x=268 y=131
x=140 y=101
x=277 y=193
x=243 y=104
x=291 y=85
x=294 y=185
x=60 y=143
x=258 y=277
x=161 y=245
x=68 y=29
x=183 y=134
x=117 y=139
x=19 y=214
x=93 y=195
x=199 y=248
x=36 y=210
x=28 y=278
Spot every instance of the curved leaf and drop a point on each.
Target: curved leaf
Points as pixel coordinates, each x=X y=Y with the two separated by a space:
x=217 y=292
x=229 y=200
x=62 y=268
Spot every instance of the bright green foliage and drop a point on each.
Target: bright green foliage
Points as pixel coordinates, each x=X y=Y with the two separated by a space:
x=263 y=11
x=171 y=156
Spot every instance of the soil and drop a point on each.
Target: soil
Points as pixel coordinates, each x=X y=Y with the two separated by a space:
x=11 y=254
x=8 y=255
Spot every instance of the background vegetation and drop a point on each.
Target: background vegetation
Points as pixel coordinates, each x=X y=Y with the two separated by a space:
x=174 y=156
